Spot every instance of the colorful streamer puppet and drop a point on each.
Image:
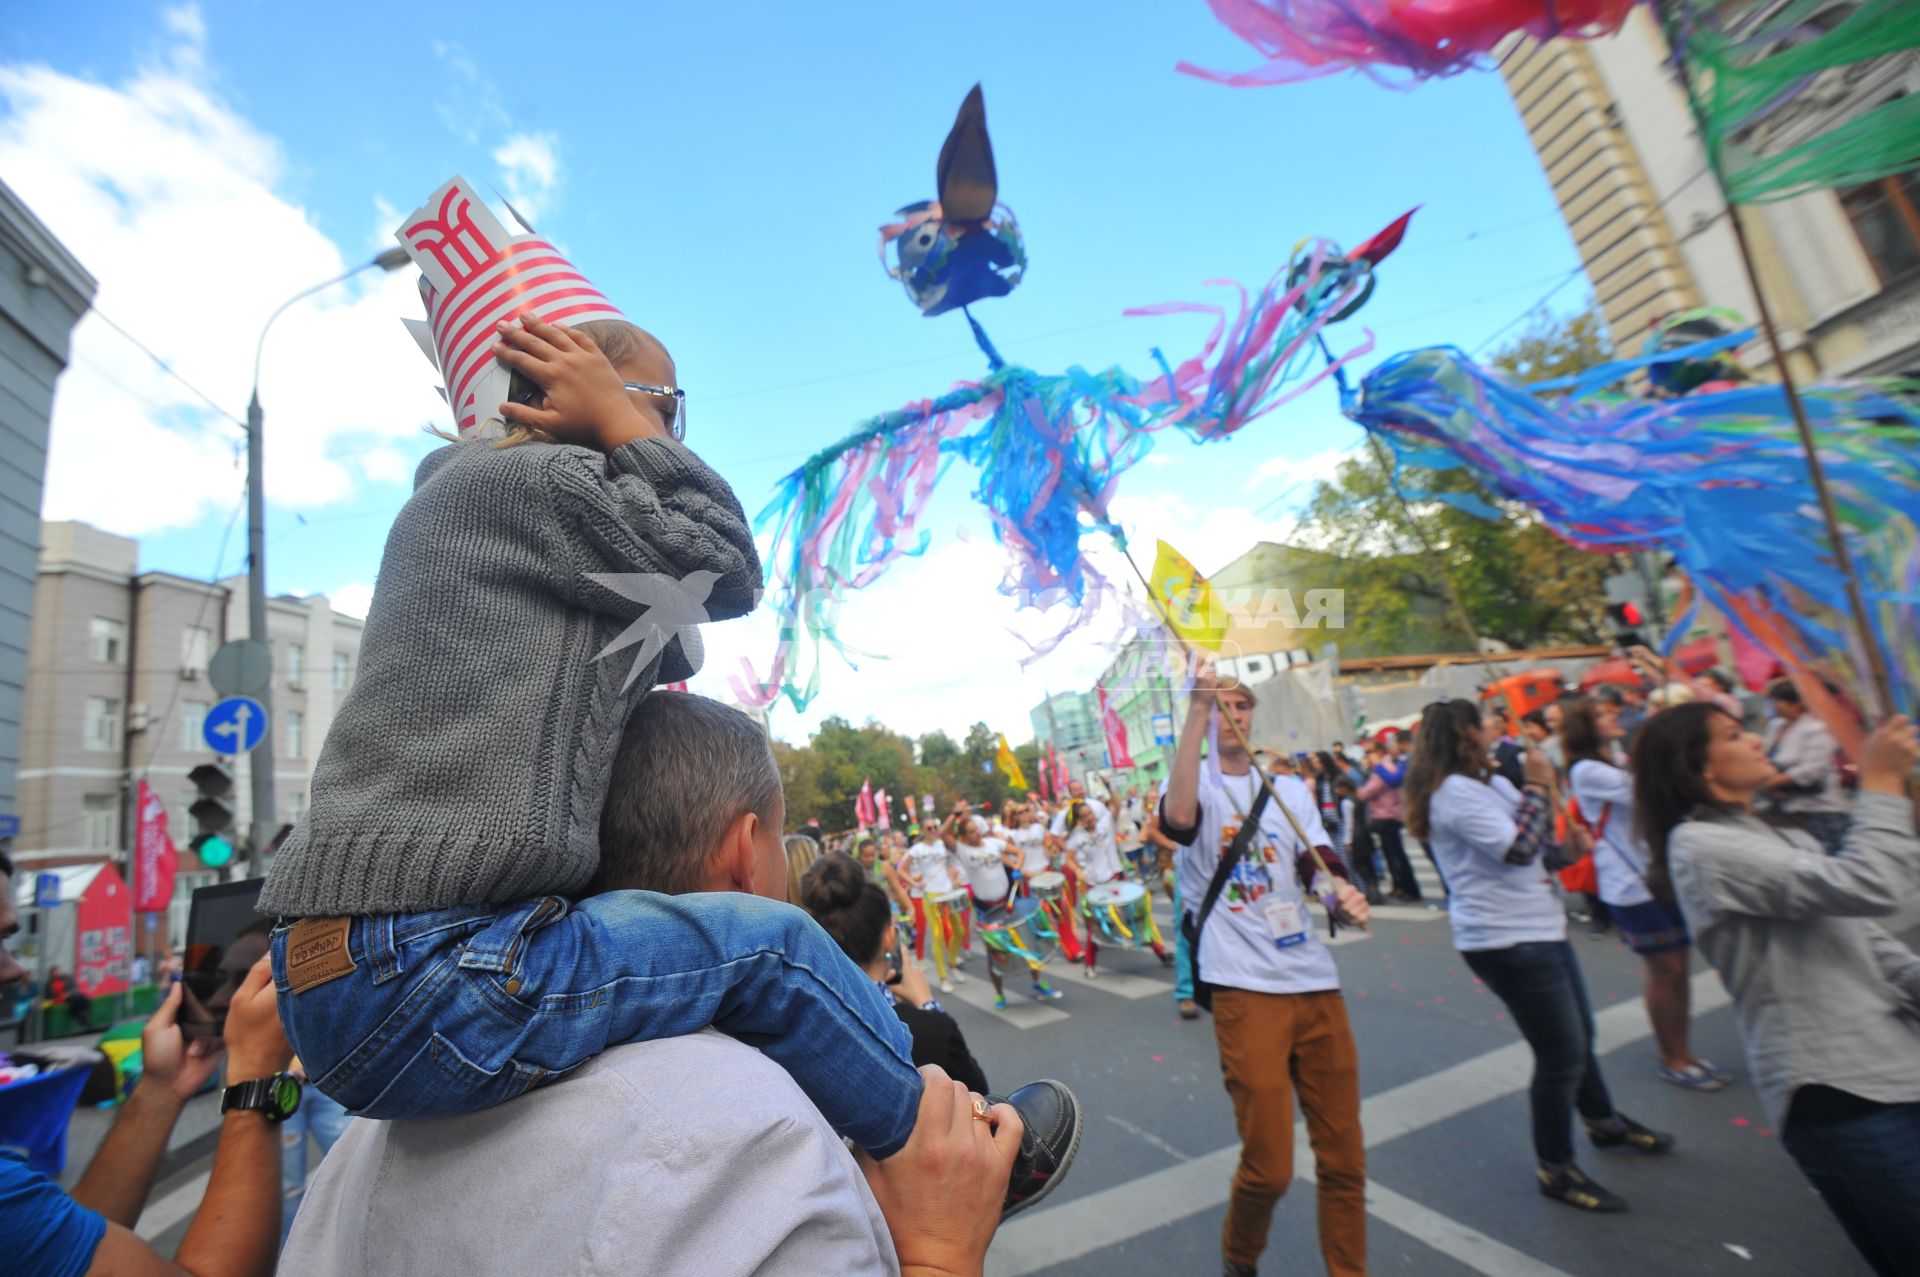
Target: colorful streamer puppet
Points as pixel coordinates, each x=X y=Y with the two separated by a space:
x=1049 y=449
x=1396 y=42
x=1716 y=478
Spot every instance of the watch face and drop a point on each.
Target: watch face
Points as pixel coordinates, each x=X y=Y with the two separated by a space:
x=286 y=1095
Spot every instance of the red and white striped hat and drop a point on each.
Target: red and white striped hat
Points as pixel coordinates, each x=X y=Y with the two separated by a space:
x=473 y=274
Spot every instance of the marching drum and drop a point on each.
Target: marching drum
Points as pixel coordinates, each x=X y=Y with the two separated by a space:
x=1018 y=932
x=1048 y=887
x=947 y=920
x=1122 y=914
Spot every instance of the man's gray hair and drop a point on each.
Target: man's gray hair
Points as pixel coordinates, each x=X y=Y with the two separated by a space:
x=687 y=768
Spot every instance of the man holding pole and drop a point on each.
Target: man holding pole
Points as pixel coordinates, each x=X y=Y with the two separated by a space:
x=1278 y=1014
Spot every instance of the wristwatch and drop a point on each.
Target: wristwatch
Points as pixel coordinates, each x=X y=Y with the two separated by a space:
x=275 y=1098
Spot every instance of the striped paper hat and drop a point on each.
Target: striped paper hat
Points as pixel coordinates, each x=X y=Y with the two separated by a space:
x=473 y=274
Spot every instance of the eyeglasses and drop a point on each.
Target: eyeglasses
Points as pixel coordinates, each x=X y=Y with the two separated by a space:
x=678 y=426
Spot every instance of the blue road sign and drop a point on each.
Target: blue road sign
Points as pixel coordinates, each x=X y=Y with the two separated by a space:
x=9 y=826
x=235 y=725
x=46 y=891
x=1163 y=729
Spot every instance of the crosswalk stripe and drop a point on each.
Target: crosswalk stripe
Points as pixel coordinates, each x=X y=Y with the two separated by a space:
x=1021 y=1013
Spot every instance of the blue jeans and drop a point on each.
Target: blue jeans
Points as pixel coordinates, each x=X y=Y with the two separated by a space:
x=1540 y=983
x=326 y=1121
x=459 y=1009
x=1867 y=1170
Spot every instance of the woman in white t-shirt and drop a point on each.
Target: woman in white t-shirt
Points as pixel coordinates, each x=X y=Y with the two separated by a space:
x=1488 y=839
x=988 y=863
x=1093 y=855
x=1590 y=735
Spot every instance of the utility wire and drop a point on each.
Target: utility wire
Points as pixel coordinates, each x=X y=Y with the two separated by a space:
x=167 y=368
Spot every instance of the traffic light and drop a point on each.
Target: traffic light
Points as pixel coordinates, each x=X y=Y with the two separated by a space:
x=1625 y=620
x=211 y=812
x=1627 y=608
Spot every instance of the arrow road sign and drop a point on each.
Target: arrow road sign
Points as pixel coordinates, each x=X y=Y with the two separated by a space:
x=235 y=725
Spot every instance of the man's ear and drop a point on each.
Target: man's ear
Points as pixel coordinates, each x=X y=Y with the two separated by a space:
x=734 y=865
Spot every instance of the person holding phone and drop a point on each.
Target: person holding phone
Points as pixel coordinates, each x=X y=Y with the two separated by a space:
x=45 y=1232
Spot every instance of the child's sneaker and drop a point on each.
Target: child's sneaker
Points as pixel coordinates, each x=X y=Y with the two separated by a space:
x=999 y=1001
x=1092 y=974
x=1051 y=1116
x=946 y=986
x=1044 y=992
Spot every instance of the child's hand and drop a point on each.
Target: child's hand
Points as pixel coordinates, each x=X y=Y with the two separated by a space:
x=586 y=402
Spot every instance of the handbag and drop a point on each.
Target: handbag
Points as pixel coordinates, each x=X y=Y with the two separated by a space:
x=1580 y=875
x=1191 y=925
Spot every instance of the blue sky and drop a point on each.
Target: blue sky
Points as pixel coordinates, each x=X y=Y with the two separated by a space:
x=720 y=172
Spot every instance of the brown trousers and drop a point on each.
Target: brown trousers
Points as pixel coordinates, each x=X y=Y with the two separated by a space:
x=1273 y=1045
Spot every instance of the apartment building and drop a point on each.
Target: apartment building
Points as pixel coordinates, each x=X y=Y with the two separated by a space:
x=43 y=293
x=1617 y=140
x=117 y=690
x=1071 y=721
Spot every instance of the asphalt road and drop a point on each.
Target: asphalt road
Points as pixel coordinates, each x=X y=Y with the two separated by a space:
x=1443 y=1073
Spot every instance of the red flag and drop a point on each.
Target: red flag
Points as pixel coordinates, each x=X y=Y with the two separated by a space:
x=1061 y=778
x=863 y=805
x=1118 y=755
x=154 y=857
x=885 y=817
x=1044 y=786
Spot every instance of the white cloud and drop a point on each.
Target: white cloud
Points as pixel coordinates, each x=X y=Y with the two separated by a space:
x=1296 y=477
x=385 y=465
x=187 y=23
x=170 y=199
x=352 y=599
x=530 y=170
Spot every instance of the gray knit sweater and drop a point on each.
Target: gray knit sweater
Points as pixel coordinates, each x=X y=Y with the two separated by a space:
x=469 y=762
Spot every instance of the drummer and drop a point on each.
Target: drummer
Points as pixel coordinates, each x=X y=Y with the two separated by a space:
x=987 y=862
x=927 y=870
x=1094 y=856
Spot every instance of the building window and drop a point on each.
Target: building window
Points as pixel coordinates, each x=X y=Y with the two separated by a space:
x=193 y=721
x=340 y=671
x=1886 y=216
x=296 y=663
x=196 y=645
x=102 y=730
x=100 y=814
x=296 y=731
x=107 y=640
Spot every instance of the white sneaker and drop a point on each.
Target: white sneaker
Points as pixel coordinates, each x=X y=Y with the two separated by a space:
x=959 y=976
x=946 y=986
x=1092 y=974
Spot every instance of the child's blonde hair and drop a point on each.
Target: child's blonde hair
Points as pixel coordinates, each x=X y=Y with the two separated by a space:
x=618 y=340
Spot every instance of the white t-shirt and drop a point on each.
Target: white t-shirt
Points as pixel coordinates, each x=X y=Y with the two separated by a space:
x=1095 y=851
x=1130 y=822
x=1493 y=905
x=1032 y=842
x=930 y=861
x=1237 y=949
x=1059 y=827
x=1619 y=858
x=705 y=1156
x=1346 y=829
x=986 y=869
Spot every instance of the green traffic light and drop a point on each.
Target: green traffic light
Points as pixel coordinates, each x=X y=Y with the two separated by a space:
x=215 y=852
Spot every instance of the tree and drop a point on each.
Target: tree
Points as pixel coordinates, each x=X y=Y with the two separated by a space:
x=1518 y=581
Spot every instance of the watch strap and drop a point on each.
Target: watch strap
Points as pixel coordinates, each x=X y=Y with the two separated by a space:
x=258 y=1095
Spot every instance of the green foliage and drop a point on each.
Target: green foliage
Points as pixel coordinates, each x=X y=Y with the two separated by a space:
x=1520 y=583
x=823 y=777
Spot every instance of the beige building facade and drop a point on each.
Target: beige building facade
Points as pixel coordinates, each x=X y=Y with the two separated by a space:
x=117 y=690
x=1614 y=134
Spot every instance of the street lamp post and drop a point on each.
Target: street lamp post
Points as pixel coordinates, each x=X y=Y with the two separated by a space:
x=260 y=764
